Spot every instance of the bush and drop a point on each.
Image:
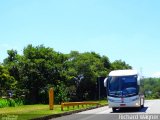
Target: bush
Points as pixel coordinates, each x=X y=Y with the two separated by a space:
x=19 y=101
x=3 y=103
x=61 y=93
x=10 y=102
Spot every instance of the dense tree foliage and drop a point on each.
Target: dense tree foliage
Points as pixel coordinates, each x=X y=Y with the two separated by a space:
x=7 y=82
x=151 y=87
x=119 y=64
x=72 y=75
x=84 y=69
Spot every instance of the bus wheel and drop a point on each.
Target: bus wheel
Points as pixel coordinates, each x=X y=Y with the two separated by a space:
x=114 y=109
x=142 y=106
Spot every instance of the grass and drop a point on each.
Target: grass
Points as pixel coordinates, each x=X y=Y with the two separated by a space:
x=103 y=102
x=26 y=112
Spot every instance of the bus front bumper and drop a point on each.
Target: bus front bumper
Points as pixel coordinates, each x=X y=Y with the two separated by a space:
x=135 y=103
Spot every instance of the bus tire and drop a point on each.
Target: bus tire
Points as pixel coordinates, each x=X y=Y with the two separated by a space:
x=142 y=106
x=114 y=109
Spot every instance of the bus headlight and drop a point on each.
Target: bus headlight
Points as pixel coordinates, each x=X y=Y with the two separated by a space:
x=135 y=99
x=111 y=100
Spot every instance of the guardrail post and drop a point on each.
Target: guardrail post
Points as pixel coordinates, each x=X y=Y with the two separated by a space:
x=51 y=99
x=62 y=105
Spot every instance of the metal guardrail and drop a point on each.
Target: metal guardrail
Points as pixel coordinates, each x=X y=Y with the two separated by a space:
x=67 y=104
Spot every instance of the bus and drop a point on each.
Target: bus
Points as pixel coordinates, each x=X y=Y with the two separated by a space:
x=123 y=90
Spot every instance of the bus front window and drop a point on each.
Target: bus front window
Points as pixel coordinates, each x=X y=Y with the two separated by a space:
x=122 y=86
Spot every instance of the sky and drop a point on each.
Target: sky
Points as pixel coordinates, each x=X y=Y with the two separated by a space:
x=119 y=29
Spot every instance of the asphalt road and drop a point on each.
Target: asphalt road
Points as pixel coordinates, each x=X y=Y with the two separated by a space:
x=151 y=111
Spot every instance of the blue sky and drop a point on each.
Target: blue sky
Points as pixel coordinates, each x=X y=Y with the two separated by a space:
x=120 y=29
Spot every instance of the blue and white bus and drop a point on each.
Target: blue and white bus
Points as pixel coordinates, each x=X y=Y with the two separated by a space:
x=122 y=87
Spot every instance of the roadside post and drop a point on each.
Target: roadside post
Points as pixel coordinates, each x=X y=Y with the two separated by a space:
x=51 y=98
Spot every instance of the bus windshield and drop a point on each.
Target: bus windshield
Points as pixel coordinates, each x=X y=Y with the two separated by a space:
x=122 y=86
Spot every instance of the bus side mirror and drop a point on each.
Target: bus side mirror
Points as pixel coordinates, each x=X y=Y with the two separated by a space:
x=105 y=82
x=138 y=81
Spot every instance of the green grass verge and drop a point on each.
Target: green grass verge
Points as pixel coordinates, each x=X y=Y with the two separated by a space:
x=26 y=112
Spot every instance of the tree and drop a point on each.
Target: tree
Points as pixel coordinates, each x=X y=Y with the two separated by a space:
x=7 y=82
x=11 y=62
x=38 y=67
x=35 y=70
x=119 y=64
x=61 y=93
x=151 y=89
x=83 y=69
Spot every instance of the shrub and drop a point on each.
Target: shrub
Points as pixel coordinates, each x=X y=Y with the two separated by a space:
x=19 y=101
x=10 y=102
x=3 y=103
x=61 y=93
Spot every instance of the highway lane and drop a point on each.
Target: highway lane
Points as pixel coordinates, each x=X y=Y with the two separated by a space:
x=151 y=111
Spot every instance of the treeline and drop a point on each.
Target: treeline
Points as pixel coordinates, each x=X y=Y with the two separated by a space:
x=73 y=76
x=151 y=88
